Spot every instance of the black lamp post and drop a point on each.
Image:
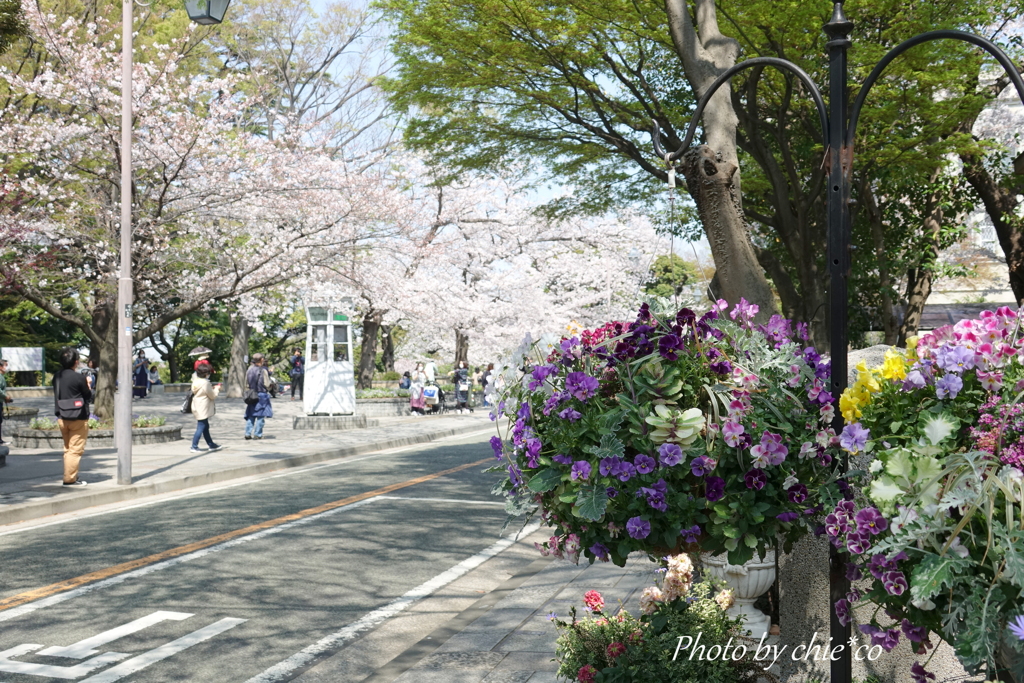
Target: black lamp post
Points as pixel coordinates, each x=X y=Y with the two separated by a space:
x=207 y=11
x=839 y=127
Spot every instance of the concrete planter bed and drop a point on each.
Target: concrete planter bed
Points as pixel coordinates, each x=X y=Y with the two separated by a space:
x=98 y=438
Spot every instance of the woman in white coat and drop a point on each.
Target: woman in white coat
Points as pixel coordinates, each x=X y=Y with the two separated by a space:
x=204 y=397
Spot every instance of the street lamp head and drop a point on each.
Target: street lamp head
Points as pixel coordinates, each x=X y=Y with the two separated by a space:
x=206 y=11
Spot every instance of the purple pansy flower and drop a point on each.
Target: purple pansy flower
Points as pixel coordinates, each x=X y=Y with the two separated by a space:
x=645 y=464
x=755 y=479
x=949 y=385
x=843 y=611
x=920 y=674
x=886 y=639
x=540 y=373
x=954 y=359
x=580 y=470
x=918 y=634
x=853 y=572
x=638 y=527
x=611 y=492
x=871 y=521
x=600 y=551
x=788 y=516
x=714 y=489
x=496 y=446
x=857 y=542
x=854 y=438
x=562 y=459
x=915 y=380
x=668 y=345
x=570 y=415
x=581 y=385
x=797 y=493
x=670 y=454
x=895 y=583
x=700 y=466
x=690 y=535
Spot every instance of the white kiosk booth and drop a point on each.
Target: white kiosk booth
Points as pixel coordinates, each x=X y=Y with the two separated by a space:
x=330 y=386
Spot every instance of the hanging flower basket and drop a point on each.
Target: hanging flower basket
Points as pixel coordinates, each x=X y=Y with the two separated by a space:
x=936 y=525
x=670 y=432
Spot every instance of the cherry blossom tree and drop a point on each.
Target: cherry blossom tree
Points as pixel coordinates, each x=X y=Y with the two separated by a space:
x=219 y=210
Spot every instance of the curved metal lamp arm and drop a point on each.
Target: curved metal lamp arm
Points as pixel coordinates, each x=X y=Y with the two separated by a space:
x=984 y=43
x=757 y=61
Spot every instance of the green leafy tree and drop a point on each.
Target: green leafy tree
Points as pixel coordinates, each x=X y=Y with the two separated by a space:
x=668 y=275
x=575 y=86
x=12 y=25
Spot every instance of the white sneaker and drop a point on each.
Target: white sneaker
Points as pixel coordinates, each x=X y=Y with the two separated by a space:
x=77 y=484
x=194 y=450
x=214 y=449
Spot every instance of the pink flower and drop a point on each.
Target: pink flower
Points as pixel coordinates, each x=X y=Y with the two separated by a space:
x=990 y=381
x=586 y=674
x=593 y=600
x=614 y=650
x=732 y=433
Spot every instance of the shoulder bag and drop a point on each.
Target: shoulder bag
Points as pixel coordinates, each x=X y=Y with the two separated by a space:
x=68 y=408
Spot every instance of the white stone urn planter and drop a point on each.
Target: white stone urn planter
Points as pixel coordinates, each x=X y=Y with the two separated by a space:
x=748 y=581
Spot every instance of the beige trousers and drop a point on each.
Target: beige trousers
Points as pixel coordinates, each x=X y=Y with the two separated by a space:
x=74 y=433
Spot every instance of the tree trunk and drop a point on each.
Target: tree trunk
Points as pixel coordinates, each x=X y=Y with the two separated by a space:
x=105 y=354
x=919 y=278
x=388 y=341
x=368 y=349
x=461 y=348
x=712 y=171
x=1001 y=205
x=166 y=349
x=875 y=218
x=710 y=180
x=235 y=381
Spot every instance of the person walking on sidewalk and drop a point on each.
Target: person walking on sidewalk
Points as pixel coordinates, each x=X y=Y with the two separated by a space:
x=204 y=397
x=417 y=402
x=71 y=396
x=297 y=373
x=257 y=380
x=5 y=398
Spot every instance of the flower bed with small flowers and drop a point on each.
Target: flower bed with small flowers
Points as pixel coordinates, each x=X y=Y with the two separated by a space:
x=660 y=433
x=603 y=647
x=939 y=528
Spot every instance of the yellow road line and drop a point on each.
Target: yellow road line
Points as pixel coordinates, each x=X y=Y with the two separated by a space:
x=68 y=584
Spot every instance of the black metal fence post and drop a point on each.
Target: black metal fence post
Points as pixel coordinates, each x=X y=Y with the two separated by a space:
x=840 y=158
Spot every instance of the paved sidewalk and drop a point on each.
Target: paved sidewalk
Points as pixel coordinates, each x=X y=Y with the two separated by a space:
x=30 y=484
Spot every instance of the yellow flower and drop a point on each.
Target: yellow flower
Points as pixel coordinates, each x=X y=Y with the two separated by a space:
x=573 y=328
x=894 y=367
x=912 y=343
x=849 y=405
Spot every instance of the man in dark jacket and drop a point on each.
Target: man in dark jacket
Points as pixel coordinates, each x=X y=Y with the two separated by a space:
x=297 y=373
x=69 y=390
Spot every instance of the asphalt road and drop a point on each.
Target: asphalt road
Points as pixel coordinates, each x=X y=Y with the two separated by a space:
x=234 y=589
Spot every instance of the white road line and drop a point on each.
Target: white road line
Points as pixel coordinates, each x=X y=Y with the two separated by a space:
x=134 y=664
x=259 y=478
x=84 y=648
x=371 y=619
x=446 y=500
x=30 y=607
x=67 y=673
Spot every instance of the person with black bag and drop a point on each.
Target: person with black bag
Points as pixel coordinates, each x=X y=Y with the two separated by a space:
x=71 y=395
x=257 y=398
